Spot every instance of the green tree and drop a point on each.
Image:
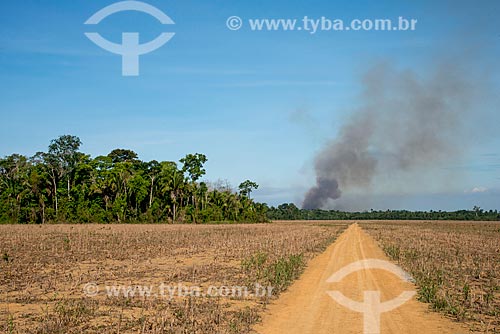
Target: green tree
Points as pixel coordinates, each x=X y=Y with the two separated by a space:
x=192 y=164
x=115 y=188
x=122 y=155
x=171 y=186
x=61 y=159
x=14 y=172
x=246 y=187
x=152 y=170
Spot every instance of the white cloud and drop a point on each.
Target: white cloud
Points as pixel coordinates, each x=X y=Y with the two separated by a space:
x=477 y=190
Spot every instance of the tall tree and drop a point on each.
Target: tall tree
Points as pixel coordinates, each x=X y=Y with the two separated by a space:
x=152 y=169
x=171 y=184
x=192 y=164
x=246 y=187
x=62 y=158
x=14 y=174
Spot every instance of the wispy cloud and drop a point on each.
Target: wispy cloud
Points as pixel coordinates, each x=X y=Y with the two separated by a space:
x=490 y=155
x=277 y=83
x=274 y=191
x=482 y=167
x=207 y=71
x=46 y=47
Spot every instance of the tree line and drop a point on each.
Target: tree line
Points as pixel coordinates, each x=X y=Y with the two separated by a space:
x=66 y=185
x=288 y=211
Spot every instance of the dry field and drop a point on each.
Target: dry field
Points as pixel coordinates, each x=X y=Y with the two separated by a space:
x=45 y=269
x=456 y=266
x=44 y=272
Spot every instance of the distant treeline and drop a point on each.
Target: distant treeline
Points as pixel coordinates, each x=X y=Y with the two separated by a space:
x=68 y=186
x=289 y=211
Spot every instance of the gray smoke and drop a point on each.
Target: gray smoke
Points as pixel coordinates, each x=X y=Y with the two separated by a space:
x=404 y=121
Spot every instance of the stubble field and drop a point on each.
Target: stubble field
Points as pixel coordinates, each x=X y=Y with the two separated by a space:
x=57 y=278
x=456 y=266
x=49 y=275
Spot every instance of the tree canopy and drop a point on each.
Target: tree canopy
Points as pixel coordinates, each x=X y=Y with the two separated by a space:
x=288 y=211
x=66 y=185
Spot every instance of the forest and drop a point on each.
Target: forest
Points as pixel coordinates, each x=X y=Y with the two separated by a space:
x=288 y=211
x=64 y=185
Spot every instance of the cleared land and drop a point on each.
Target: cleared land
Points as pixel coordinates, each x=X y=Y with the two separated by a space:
x=43 y=270
x=456 y=266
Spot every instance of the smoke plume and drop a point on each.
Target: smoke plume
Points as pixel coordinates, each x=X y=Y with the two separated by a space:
x=404 y=121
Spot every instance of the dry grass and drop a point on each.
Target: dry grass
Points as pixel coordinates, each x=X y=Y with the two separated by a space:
x=456 y=266
x=43 y=270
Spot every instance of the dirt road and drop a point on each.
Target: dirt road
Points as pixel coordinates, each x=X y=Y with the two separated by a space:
x=307 y=307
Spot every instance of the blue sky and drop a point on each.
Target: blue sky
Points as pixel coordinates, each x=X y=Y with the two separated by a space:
x=258 y=104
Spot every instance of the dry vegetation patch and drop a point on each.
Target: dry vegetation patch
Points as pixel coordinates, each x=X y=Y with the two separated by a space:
x=456 y=265
x=43 y=270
